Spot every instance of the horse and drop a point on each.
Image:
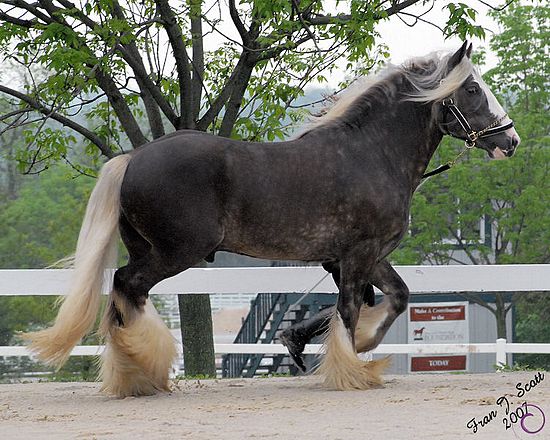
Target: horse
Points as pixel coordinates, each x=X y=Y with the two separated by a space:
x=419 y=331
x=338 y=194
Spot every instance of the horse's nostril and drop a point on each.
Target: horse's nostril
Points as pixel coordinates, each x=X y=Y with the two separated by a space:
x=515 y=141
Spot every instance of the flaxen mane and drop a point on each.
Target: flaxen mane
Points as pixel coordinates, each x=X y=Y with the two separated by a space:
x=426 y=77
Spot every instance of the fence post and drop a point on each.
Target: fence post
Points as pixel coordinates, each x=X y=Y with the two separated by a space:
x=501 y=352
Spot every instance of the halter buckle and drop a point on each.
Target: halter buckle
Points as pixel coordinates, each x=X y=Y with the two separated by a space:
x=472 y=138
x=448 y=102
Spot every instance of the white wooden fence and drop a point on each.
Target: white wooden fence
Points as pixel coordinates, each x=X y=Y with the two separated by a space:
x=420 y=279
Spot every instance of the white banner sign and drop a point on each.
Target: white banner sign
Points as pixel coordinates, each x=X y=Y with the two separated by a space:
x=438 y=323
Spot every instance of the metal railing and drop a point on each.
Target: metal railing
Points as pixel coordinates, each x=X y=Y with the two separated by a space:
x=253 y=326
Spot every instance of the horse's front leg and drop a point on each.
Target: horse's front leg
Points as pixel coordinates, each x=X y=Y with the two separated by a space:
x=375 y=321
x=298 y=335
x=342 y=368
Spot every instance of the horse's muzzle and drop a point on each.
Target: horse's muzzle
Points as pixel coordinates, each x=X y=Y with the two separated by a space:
x=499 y=153
x=503 y=153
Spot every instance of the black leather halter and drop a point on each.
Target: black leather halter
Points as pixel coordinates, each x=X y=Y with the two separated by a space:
x=471 y=135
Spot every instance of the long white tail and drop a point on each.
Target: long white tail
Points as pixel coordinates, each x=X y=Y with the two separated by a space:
x=95 y=251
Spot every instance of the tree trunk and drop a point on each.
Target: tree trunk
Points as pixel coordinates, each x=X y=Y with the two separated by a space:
x=197 y=335
x=500 y=315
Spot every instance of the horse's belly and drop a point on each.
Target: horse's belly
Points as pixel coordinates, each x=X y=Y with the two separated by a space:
x=284 y=242
x=316 y=235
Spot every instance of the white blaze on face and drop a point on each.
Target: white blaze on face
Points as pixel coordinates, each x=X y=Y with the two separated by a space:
x=494 y=106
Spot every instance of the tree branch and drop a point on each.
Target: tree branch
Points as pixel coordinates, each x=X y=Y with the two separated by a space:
x=175 y=37
x=107 y=84
x=473 y=298
x=508 y=307
x=198 y=57
x=17 y=113
x=502 y=8
x=277 y=50
x=150 y=92
x=446 y=256
x=27 y=24
x=398 y=7
x=222 y=97
x=296 y=6
x=420 y=18
x=146 y=86
x=30 y=8
x=317 y=20
x=245 y=37
x=123 y=112
x=238 y=90
x=35 y=104
x=462 y=245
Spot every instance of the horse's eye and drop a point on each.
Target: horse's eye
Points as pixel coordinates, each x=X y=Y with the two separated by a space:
x=472 y=90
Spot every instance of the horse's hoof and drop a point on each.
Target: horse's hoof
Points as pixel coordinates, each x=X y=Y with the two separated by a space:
x=295 y=349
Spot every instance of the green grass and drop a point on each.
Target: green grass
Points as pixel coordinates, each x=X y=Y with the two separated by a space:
x=194 y=377
x=516 y=367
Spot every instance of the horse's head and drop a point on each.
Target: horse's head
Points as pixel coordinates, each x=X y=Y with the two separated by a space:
x=473 y=114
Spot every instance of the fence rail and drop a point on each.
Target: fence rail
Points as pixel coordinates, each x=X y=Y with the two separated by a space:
x=500 y=348
x=421 y=279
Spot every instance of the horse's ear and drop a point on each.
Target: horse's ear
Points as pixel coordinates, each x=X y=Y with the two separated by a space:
x=457 y=56
x=469 y=50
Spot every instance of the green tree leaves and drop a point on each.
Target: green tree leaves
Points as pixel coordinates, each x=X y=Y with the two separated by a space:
x=462 y=21
x=130 y=55
x=37 y=229
x=41 y=226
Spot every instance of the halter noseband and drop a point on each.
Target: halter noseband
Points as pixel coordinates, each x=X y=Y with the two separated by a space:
x=472 y=135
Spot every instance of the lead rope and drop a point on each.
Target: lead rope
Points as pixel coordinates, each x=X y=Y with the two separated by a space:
x=306 y=293
x=448 y=165
x=293 y=307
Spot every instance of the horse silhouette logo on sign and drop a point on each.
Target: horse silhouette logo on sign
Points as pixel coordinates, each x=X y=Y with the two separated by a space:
x=419 y=334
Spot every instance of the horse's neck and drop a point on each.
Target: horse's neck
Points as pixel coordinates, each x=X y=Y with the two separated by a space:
x=408 y=135
x=401 y=135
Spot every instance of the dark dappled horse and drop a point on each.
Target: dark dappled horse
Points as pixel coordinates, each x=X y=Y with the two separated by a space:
x=338 y=194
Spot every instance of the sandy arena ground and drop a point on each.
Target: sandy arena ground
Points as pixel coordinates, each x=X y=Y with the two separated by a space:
x=408 y=407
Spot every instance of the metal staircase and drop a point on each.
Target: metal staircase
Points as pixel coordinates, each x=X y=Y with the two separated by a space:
x=270 y=313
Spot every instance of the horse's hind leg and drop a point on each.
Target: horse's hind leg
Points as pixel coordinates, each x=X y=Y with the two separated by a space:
x=138 y=248
x=140 y=349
